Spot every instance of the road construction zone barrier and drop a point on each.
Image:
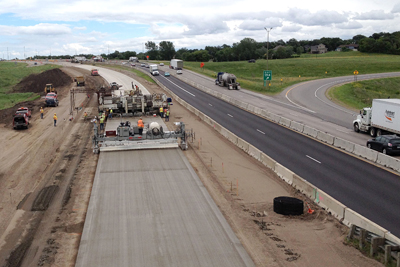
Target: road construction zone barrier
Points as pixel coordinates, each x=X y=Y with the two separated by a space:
x=331 y=205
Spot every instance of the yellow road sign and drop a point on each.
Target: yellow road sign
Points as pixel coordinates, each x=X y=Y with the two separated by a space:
x=355 y=72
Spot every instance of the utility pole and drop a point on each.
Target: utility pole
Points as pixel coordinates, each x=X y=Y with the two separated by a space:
x=24 y=53
x=268 y=30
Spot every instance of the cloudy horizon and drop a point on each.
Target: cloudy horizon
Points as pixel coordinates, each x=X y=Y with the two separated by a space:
x=81 y=27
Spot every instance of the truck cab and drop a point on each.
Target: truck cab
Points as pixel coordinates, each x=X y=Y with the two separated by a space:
x=363 y=121
x=95 y=72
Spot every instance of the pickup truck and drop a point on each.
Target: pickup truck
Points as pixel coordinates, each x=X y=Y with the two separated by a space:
x=95 y=72
x=51 y=100
x=20 y=120
x=24 y=110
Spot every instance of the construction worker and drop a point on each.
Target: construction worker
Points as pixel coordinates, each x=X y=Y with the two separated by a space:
x=110 y=114
x=55 y=119
x=167 y=115
x=85 y=116
x=140 y=126
x=102 y=123
x=161 y=112
x=41 y=112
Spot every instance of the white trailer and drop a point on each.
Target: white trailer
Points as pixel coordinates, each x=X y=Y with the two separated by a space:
x=176 y=64
x=133 y=59
x=154 y=70
x=382 y=117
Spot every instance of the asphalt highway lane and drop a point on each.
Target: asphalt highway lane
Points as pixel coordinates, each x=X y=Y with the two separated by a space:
x=361 y=186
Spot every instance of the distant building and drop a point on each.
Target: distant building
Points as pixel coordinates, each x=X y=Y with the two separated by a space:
x=318 y=49
x=307 y=48
x=353 y=47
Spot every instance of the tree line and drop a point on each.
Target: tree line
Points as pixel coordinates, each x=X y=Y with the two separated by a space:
x=248 y=48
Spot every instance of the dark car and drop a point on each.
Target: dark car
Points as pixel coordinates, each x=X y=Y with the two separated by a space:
x=252 y=61
x=387 y=144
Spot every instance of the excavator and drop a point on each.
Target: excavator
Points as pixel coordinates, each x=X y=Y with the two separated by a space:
x=49 y=88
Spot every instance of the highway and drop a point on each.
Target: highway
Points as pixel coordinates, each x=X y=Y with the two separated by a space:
x=363 y=187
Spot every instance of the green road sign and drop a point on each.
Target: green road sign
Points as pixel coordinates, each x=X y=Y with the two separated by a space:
x=267 y=75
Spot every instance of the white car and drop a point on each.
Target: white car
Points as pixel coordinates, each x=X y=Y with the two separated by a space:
x=161 y=64
x=178 y=71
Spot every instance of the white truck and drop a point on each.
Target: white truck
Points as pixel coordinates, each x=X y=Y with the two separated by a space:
x=133 y=59
x=176 y=64
x=382 y=117
x=154 y=70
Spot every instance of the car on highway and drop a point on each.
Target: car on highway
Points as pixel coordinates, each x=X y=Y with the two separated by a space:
x=178 y=71
x=166 y=74
x=161 y=64
x=142 y=65
x=252 y=61
x=133 y=64
x=387 y=144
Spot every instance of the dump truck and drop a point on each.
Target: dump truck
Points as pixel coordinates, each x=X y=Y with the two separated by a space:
x=95 y=72
x=228 y=80
x=382 y=118
x=176 y=64
x=49 y=88
x=20 y=120
x=80 y=81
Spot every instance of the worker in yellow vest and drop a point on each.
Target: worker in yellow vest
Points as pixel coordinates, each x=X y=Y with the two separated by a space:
x=167 y=115
x=110 y=114
x=41 y=112
x=161 y=112
x=102 y=123
x=55 y=119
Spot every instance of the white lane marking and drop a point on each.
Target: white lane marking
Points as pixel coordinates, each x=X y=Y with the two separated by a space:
x=329 y=104
x=293 y=114
x=299 y=106
x=178 y=86
x=209 y=104
x=230 y=115
x=342 y=131
x=260 y=131
x=313 y=159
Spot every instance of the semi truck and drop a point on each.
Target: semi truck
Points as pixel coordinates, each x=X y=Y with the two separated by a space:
x=383 y=117
x=154 y=70
x=228 y=80
x=133 y=59
x=176 y=64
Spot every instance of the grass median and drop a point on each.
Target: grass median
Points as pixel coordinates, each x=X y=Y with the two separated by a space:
x=286 y=72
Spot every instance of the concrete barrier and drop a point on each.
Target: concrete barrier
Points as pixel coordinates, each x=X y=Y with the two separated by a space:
x=275 y=118
x=265 y=113
x=325 y=137
x=392 y=238
x=304 y=187
x=243 y=105
x=388 y=161
x=297 y=126
x=284 y=173
x=217 y=127
x=257 y=110
x=330 y=204
x=243 y=145
x=365 y=152
x=231 y=137
x=267 y=161
x=254 y=152
x=310 y=131
x=284 y=121
x=352 y=217
x=343 y=144
x=250 y=108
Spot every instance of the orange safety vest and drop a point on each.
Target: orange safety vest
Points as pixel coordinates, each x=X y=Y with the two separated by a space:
x=140 y=124
x=41 y=110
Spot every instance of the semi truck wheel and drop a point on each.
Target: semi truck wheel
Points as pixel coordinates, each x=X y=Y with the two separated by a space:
x=288 y=206
x=372 y=132
x=356 y=127
x=379 y=132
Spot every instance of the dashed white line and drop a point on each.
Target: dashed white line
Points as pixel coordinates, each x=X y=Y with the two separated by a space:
x=313 y=159
x=342 y=131
x=209 y=104
x=260 y=131
x=230 y=115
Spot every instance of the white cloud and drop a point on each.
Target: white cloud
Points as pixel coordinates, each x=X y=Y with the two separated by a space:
x=349 y=25
x=80 y=28
x=374 y=15
x=396 y=8
x=38 y=29
x=291 y=28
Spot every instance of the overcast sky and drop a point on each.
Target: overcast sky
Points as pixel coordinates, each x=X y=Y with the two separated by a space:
x=63 y=27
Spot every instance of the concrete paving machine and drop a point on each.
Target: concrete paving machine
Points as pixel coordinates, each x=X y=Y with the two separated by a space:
x=127 y=137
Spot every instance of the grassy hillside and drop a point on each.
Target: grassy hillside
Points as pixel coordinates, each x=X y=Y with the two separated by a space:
x=307 y=67
x=11 y=74
x=360 y=94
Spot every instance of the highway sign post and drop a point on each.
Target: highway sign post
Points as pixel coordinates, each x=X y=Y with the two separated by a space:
x=267 y=76
x=355 y=75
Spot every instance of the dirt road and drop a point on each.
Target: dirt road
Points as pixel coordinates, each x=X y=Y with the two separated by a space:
x=60 y=160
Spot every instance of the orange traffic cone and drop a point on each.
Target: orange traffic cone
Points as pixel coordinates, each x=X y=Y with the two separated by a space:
x=310 y=211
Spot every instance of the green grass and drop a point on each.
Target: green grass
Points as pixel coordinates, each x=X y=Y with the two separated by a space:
x=11 y=74
x=137 y=72
x=294 y=70
x=360 y=94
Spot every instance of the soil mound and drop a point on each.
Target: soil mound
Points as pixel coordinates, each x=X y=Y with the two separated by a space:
x=36 y=82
